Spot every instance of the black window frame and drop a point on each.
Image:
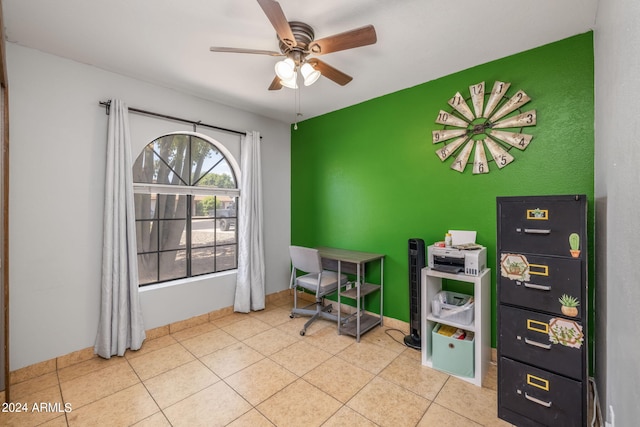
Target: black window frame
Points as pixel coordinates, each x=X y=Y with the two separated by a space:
x=191 y=191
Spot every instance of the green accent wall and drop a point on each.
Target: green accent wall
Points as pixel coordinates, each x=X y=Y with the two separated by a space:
x=367 y=177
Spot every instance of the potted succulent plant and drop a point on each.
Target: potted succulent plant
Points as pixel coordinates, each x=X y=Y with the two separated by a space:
x=515 y=267
x=569 y=305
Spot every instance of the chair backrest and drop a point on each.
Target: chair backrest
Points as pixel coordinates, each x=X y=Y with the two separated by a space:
x=306 y=259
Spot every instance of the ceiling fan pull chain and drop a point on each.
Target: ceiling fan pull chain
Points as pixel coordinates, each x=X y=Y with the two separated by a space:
x=295 y=111
x=296 y=108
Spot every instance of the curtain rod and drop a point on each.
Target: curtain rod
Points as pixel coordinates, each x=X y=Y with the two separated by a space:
x=107 y=105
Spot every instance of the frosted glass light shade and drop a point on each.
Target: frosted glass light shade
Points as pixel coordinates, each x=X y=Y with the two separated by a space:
x=309 y=73
x=285 y=69
x=291 y=83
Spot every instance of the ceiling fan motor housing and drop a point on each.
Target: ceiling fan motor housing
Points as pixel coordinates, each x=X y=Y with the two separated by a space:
x=304 y=35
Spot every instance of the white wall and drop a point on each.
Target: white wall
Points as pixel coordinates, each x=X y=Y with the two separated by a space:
x=617 y=61
x=58 y=144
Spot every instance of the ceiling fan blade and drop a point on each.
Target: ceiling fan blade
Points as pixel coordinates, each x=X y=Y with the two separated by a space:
x=362 y=36
x=275 y=84
x=240 y=50
x=329 y=72
x=274 y=12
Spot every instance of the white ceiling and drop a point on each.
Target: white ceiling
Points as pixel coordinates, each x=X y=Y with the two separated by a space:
x=167 y=42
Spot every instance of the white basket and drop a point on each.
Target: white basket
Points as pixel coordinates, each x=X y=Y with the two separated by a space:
x=453 y=307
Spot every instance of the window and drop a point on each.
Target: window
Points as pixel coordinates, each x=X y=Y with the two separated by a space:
x=186 y=194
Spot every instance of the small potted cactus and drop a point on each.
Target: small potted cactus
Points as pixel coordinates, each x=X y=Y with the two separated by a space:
x=569 y=305
x=574 y=243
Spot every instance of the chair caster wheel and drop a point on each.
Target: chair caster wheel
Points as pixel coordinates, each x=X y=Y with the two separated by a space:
x=302 y=333
x=291 y=316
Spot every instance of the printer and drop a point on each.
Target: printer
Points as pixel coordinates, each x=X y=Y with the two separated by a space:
x=471 y=262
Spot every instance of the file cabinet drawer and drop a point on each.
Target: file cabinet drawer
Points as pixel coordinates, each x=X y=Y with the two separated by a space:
x=540 y=224
x=544 y=398
x=552 y=343
x=538 y=282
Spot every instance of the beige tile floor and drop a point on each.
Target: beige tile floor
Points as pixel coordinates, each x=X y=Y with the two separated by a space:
x=256 y=370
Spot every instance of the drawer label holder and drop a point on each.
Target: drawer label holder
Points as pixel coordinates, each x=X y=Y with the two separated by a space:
x=538 y=214
x=534 y=325
x=538 y=382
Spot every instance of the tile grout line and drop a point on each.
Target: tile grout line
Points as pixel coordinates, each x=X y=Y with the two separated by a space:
x=379 y=341
x=150 y=394
x=66 y=418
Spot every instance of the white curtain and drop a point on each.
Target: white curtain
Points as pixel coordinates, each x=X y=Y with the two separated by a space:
x=120 y=325
x=250 y=282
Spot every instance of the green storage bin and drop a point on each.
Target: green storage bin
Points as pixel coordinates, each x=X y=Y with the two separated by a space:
x=451 y=355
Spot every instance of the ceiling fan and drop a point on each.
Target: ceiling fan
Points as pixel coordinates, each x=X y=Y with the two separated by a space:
x=296 y=40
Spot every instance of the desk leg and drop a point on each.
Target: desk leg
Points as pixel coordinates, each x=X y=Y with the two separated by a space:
x=339 y=304
x=358 y=282
x=381 y=287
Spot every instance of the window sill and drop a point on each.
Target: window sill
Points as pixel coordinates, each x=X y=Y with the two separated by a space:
x=186 y=281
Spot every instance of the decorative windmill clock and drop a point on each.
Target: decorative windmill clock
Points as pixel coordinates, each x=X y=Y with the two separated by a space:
x=465 y=131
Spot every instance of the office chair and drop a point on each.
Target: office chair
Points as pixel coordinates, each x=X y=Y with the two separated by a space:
x=316 y=280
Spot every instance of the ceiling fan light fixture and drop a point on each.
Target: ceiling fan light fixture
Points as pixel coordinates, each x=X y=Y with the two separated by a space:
x=309 y=73
x=291 y=83
x=285 y=69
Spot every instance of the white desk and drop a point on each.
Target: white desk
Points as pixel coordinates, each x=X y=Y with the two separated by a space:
x=481 y=326
x=354 y=262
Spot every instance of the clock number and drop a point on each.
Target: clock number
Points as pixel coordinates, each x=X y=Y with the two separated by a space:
x=452 y=147
x=460 y=105
x=461 y=160
x=445 y=118
x=518 y=100
x=499 y=88
x=525 y=119
x=499 y=154
x=480 y=164
x=477 y=98
x=445 y=134
x=517 y=140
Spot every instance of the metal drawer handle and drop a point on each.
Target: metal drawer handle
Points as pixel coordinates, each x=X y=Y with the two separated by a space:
x=537 y=344
x=534 y=286
x=538 y=401
x=537 y=231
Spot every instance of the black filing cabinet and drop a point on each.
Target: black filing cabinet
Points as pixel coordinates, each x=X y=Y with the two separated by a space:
x=542 y=310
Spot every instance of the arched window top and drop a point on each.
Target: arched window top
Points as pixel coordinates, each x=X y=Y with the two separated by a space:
x=186 y=159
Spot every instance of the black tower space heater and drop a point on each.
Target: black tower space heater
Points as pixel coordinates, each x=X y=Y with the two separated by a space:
x=416 y=264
